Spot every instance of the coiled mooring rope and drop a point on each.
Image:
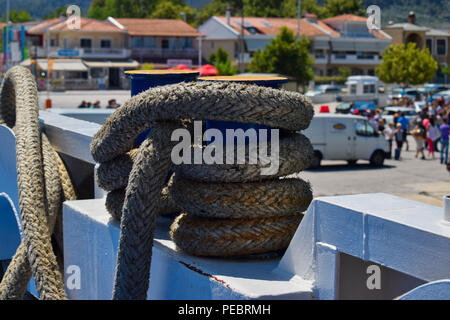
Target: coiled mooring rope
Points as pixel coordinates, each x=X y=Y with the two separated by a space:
x=234 y=212
x=228 y=210
x=43 y=183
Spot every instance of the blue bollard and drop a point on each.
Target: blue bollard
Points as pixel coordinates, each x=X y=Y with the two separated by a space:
x=142 y=80
x=265 y=81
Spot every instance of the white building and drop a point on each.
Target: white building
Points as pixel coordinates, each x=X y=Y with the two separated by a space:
x=342 y=41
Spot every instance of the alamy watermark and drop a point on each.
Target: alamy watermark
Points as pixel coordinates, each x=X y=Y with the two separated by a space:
x=221 y=150
x=374 y=17
x=374 y=280
x=73 y=21
x=73 y=277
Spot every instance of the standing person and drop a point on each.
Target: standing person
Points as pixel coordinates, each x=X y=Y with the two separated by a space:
x=97 y=105
x=83 y=105
x=419 y=136
x=395 y=118
x=431 y=136
x=405 y=127
x=389 y=136
x=445 y=128
x=398 y=134
x=381 y=126
x=438 y=135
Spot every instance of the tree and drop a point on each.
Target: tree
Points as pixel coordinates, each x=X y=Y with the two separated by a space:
x=170 y=10
x=406 y=65
x=218 y=8
x=289 y=8
x=16 y=16
x=445 y=70
x=59 y=11
x=337 y=7
x=147 y=66
x=221 y=61
x=285 y=55
x=102 y=9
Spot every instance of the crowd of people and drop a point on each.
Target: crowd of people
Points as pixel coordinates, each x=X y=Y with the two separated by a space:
x=430 y=129
x=112 y=104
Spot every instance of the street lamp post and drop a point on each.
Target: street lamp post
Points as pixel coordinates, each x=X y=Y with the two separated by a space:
x=7 y=36
x=299 y=15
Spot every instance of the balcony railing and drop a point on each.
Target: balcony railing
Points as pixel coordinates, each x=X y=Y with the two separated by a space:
x=56 y=52
x=165 y=53
x=355 y=59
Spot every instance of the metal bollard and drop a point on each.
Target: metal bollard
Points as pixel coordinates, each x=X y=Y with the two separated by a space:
x=447 y=209
x=265 y=81
x=142 y=80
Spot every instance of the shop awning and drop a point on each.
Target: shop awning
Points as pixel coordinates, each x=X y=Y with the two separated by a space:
x=112 y=64
x=64 y=65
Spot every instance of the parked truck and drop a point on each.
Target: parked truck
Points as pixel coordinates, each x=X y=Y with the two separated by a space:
x=345 y=137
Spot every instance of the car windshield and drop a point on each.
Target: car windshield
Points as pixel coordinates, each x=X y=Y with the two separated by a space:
x=364 y=105
x=343 y=106
x=390 y=112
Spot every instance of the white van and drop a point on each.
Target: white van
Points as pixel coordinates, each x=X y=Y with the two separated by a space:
x=345 y=137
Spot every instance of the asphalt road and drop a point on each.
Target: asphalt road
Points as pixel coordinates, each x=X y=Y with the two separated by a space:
x=72 y=99
x=422 y=180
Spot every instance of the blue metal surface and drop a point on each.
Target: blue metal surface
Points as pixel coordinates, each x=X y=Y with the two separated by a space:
x=9 y=228
x=437 y=290
x=142 y=80
x=222 y=126
x=10 y=221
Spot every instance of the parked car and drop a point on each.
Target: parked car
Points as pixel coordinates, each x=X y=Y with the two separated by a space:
x=324 y=89
x=398 y=93
x=410 y=114
x=445 y=94
x=363 y=108
x=345 y=137
x=433 y=88
x=344 y=108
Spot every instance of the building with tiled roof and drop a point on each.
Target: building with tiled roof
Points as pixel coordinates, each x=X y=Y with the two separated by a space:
x=437 y=41
x=157 y=27
x=342 y=41
x=161 y=40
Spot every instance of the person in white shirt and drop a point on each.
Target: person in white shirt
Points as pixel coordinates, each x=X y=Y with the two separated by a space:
x=431 y=136
x=389 y=136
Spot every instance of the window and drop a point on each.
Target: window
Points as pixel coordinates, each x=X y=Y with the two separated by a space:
x=105 y=43
x=149 y=42
x=165 y=44
x=353 y=88
x=188 y=43
x=430 y=45
x=53 y=42
x=441 y=47
x=86 y=43
x=363 y=128
x=138 y=42
x=369 y=88
x=332 y=90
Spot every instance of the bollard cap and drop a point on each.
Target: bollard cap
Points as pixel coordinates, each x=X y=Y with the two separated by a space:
x=161 y=73
x=261 y=80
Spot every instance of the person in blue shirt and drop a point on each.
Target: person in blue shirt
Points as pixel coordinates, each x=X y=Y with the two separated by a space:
x=405 y=127
x=445 y=129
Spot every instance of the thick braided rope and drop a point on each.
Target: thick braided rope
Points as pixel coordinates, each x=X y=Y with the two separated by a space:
x=43 y=184
x=199 y=101
x=147 y=179
x=144 y=173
